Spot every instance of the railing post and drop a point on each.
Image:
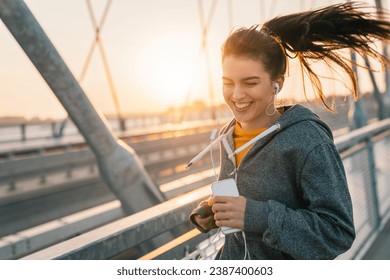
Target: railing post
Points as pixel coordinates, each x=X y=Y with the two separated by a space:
x=373 y=184
x=357 y=115
x=23 y=132
x=53 y=126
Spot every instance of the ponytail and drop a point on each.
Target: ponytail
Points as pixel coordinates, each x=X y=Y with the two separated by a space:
x=319 y=34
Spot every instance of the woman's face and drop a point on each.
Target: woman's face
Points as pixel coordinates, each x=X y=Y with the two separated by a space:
x=248 y=90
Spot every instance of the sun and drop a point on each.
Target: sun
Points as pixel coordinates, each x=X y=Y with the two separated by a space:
x=166 y=67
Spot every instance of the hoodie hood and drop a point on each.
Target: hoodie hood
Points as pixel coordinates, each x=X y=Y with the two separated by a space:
x=295 y=114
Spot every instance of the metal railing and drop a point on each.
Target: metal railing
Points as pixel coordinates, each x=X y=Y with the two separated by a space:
x=160 y=152
x=115 y=238
x=63 y=172
x=22 y=131
x=364 y=153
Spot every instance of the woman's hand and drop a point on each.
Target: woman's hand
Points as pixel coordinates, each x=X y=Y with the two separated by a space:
x=228 y=211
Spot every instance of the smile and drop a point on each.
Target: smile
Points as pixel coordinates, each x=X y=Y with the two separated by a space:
x=242 y=105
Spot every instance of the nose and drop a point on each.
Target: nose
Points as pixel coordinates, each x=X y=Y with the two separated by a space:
x=238 y=93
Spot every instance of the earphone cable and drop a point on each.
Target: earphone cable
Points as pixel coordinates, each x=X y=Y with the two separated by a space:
x=211 y=242
x=246 y=253
x=212 y=137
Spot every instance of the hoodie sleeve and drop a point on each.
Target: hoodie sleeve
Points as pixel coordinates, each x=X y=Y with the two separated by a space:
x=322 y=230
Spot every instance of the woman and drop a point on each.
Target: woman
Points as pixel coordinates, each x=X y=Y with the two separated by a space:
x=294 y=201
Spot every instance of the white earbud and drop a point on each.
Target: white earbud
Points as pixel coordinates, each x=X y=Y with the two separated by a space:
x=276 y=88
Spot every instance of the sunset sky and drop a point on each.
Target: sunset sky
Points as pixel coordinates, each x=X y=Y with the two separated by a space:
x=153 y=48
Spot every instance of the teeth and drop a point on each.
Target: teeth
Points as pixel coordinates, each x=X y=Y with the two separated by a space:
x=242 y=105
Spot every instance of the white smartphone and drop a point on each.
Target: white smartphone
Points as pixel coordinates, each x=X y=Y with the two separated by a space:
x=227 y=187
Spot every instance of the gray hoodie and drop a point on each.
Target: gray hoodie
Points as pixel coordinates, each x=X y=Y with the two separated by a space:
x=298 y=203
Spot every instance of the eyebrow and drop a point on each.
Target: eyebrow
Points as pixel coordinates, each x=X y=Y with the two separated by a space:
x=243 y=80
x=251 y=78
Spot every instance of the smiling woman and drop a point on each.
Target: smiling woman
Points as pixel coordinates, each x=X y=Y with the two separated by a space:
x=166 y=67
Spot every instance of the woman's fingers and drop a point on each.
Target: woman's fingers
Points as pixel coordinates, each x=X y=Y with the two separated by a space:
x=219 y=199
x=229 y=211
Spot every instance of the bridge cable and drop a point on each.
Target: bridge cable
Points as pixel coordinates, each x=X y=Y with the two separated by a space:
x=205 y=28
x=98 y=42
x=87 y=62
x=93 y=45
x=200 y=53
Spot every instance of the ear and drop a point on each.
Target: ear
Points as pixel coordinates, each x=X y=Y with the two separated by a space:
x=276 y=88
x=278 y=84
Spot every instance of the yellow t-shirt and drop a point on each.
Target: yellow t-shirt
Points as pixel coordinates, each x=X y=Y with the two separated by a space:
x=241 y=136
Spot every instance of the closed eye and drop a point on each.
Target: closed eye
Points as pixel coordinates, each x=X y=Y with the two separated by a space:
x=227 y=82
x=251 y=81
x=250 y=84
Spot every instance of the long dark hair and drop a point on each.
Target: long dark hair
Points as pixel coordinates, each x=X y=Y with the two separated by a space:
x=314 y=35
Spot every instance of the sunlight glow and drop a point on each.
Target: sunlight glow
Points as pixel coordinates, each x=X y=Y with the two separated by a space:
x=166 y=66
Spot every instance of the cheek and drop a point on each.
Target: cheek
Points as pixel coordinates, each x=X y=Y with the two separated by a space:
x=265 y=93
x=226 y=93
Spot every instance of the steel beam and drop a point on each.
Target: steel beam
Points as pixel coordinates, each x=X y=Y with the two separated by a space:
x=119 y=166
